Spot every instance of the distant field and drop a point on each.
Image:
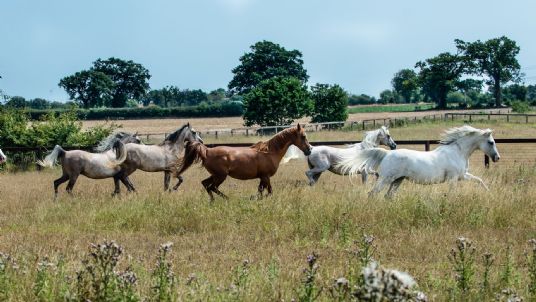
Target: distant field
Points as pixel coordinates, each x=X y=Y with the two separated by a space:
x=391 y=108
x=205 y=124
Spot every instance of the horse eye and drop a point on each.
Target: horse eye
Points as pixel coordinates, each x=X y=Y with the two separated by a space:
x=491 y=143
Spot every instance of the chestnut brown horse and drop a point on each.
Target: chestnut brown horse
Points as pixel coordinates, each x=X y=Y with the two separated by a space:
x=258 y=161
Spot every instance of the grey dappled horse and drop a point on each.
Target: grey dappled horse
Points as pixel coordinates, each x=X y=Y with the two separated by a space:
x=158 y=158
x=93 y=165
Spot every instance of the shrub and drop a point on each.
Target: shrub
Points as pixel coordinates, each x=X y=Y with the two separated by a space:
x=520 y=107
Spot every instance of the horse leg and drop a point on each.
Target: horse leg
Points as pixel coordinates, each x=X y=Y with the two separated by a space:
x=218 y=180
x=269 y=185
x=468 y=176
x=167 y=178
x=382 y=182
x=58 y=182
x=207 y=183
x=314 y=172
x=126 y=181
x=72 y=181
x=394 y=187
x=117 y=189
x=262 y=185
x=180 y=180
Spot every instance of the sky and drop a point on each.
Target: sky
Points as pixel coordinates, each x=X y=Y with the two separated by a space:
x=194 y=44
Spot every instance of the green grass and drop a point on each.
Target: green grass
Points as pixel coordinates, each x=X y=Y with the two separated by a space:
x=391 y=108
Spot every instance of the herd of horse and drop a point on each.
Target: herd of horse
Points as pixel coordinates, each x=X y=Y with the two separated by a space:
x=121 y=154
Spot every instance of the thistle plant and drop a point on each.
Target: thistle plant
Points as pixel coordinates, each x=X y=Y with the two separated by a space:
x=532 y=267
x=309 y=291
x=508 y=269
x=43 y=283
x=462 y=258
x=7 y=266
x=340 y=289
x=380 y=284
x=163 y=277
x=240 y=278
x=488 y=262
x=99 y=281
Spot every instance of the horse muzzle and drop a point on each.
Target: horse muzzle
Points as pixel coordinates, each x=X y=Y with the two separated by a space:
x=307 y=151
x=495 y=158
x=392 y=146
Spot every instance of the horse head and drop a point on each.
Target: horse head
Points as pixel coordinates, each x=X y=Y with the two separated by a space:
x=192 y=135
x=384 y=138
x=488 y=145
x=299 y=139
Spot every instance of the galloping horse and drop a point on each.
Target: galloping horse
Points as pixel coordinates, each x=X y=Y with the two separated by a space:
x=448 y=162
x=93 y=165
x=157 y=158
x=326 y=158
x=258 y=161
x=3 y=157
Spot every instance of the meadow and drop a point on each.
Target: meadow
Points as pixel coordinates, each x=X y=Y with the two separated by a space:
x=256 y=250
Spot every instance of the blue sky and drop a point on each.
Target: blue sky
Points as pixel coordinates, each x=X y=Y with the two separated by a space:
x=195 y=44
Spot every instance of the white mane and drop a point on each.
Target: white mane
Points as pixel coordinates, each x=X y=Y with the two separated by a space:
x=369 y=140
x=454 y=134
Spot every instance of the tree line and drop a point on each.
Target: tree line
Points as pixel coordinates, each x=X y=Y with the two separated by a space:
x=272 y=85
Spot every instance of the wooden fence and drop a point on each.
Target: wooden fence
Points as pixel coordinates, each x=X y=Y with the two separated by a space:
x=37 y=153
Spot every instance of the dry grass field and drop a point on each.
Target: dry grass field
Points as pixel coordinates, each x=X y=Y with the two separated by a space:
x=414 y=232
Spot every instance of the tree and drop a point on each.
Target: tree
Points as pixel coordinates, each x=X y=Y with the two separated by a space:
x=387 y=96
x=276 y=101
x=130 y=79
x=439 y=75
x=217 y=95
x=39 y=103
x=405 y=83
x=495 y=59
x=17 y=102
x=361 y=99
x=90 y=88
x=531 y=94
x=266 y=60
x=515 y=92
x=330 y=103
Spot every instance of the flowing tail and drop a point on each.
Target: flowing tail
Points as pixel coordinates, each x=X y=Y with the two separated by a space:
x=293 y=152
x=51 y=159
x=120 y=153
x=364 y=160
x=194 y=152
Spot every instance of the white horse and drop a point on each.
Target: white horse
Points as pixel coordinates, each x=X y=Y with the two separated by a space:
x=324 y=158
x=3 y=157
x=448 y=162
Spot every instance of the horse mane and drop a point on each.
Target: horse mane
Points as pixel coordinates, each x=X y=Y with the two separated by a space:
x=276 y=141
x=108 y=142
x=452 y=135
x=173 y=137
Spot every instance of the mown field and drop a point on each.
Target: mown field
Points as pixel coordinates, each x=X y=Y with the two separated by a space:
x=414 y=232
x=391 y=108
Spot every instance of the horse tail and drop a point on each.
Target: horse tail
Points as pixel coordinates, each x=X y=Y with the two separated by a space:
x=363 y=160
x=51 y=159
x=120 y=152
x=194 y=152
x=293 y=152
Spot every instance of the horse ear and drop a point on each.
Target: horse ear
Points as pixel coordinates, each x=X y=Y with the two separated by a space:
x=488 y=132
x=188 y=124
x=136 y=134
x=299 y=126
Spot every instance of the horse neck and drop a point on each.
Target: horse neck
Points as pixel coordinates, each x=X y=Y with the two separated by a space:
x=465 y=146
x=178 y=143
x=279 y=144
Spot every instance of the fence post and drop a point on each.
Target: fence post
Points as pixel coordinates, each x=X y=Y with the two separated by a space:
x=470 y=118
x=489 y=116
x=486 y=161
x=232 y=132
x=427 y=146
x=363 y=125
x=507 y=118
x=247 y=131
x=216 y=134
x=526 y=118
x=373 y=123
